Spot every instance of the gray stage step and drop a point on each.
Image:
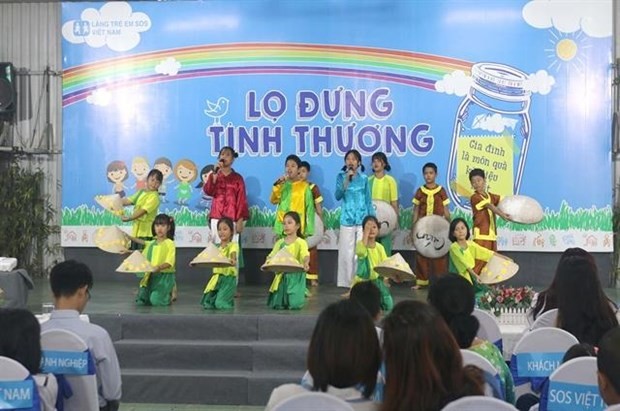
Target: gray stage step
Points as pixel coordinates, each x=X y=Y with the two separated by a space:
x=264 y=355
x=223 y=359
x=202 y=387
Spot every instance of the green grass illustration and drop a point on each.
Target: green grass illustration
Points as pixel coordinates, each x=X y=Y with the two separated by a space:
x=566 y=218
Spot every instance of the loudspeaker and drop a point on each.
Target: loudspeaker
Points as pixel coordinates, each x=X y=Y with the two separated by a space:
x=8 y=92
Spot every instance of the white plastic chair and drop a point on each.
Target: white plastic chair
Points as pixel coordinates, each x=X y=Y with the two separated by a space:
x=548 y=341
x=613 y=408
x=84 y=386
x=493 y=387
x=574 y=384
x=546 y=319
x=312 y=401
x=478 y=403
x=489 y=328
x=11 y=372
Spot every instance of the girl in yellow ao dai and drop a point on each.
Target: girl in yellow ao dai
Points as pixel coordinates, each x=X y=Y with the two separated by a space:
x=221 y=288
x=287 y=291
x=369 y=253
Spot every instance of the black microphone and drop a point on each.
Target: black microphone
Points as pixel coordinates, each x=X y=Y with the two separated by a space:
x=218 y=165
x=350 y=175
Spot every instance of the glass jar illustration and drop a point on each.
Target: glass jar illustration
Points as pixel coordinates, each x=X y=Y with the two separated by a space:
x=491 y=131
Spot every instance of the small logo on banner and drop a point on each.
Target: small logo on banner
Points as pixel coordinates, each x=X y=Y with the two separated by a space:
x=65 y=362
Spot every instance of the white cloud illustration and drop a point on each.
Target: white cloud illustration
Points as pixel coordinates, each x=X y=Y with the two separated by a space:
x=99 y=97
x=493 y=122
x=457 y=83
x=168 y=67
x=593 y=17
x=114 y=24
x=539 y=82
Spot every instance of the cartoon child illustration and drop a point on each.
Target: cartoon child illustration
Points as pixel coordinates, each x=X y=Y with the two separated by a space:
x=186 y=172
x=164 y=165
x=117 y=173
x=205 y=200
x=140 y=169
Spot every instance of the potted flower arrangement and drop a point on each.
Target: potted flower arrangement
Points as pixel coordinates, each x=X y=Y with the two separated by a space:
x=506 y=300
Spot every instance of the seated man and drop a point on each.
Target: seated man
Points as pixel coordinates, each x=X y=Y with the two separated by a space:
x=608 y=362
x=71 y=282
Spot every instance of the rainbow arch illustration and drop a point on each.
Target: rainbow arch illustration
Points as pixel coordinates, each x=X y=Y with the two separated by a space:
x=394 y=66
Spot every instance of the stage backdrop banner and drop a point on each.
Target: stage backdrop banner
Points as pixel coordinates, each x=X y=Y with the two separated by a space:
x=521 y=89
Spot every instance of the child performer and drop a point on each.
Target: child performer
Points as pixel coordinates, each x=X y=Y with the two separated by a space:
x=484 y=208
x=465 y=253
x=227 y=189
x=146 y=204
x=156 y=286
x=370 y=253
x=313 y=272
x=290 y=193
x=383 y=187
x=353 y=189
x=429 y=199
x=221 y=288
x=287 y=291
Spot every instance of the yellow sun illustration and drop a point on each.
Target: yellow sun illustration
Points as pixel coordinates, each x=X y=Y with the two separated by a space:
x=566 y=50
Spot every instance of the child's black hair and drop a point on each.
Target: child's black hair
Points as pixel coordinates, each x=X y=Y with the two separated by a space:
x=294 y=158
x=379 y=155
x=229 y=148
x=431 y=165
x=453 y=224
x=164 y=219
x=158 y=175
x=295 y=216
x=306 y=165
x=357 y=155
x=228 y=222
x=370 y=218
x=476 y=172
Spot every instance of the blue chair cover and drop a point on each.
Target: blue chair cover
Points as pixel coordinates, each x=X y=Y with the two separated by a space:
x=537 y=382
x=33 y=404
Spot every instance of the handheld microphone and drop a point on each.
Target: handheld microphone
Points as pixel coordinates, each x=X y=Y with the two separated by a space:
x=218 y=165
x=350 y=175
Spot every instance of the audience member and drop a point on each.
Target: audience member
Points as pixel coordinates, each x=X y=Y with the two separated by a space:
x=453 y=297
x=583 y=308
x=608 y=361
x=424 y=368
x=20 y=340
x=368 y=296
x=343 y=357
x=71 y=282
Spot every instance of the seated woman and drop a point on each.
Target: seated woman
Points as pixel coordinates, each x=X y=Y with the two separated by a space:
x=423 y=364
x=453 y=297
x=583 y=308
x=343 y=357
x=20 y=340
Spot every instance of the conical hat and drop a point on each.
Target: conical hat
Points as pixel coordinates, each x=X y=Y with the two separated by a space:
x=430 y=236
x=111 y=239
x=135 y=263
x=211 y=257
x=498 y=269
x=282 y=262
x=112 y=203
x=396 y=268
x=522 y=209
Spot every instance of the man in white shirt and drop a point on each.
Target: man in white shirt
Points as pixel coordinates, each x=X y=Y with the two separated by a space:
x=71 y=282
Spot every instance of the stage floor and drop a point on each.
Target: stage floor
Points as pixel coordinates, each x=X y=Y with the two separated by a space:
x=118 y=297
